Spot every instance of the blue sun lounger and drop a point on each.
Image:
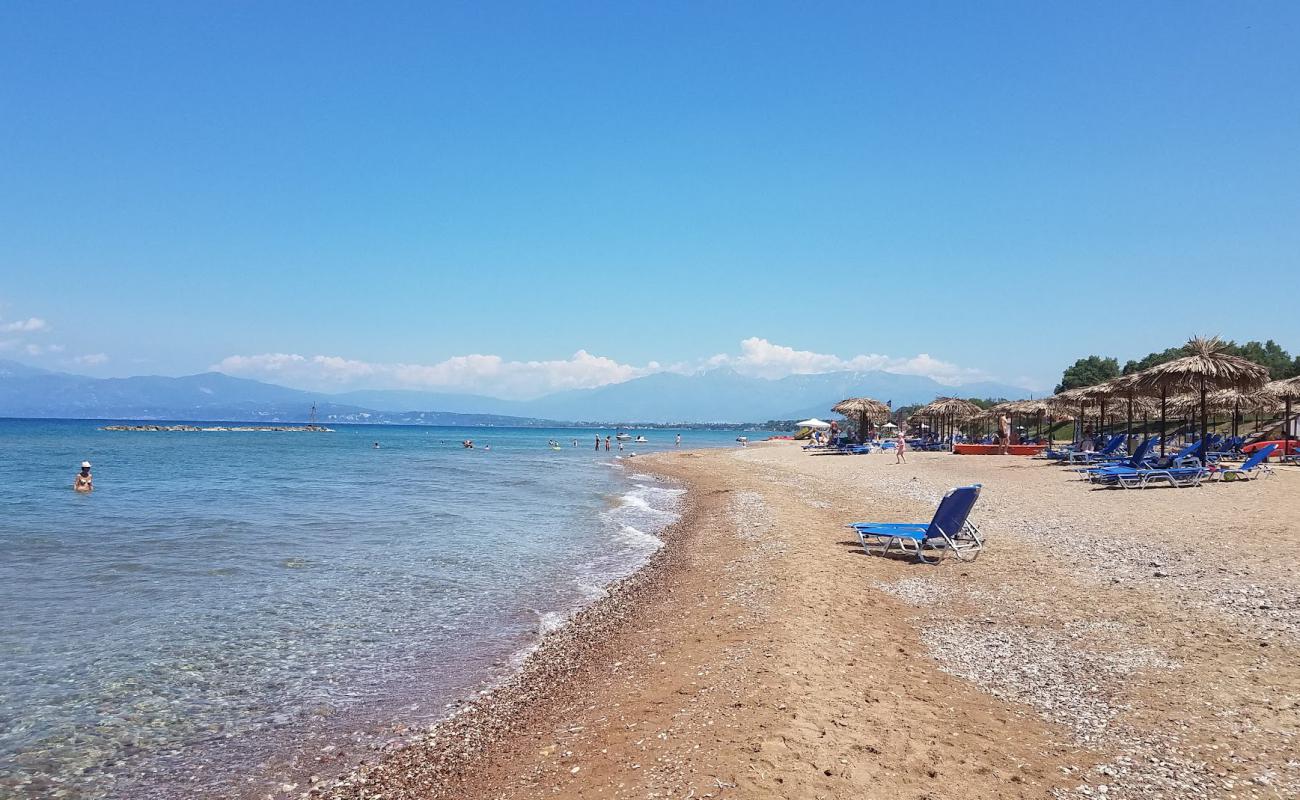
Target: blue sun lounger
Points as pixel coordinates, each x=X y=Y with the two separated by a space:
x=1256 y=465
x=1139 y=460
x=951 y=530
x=1182 y=469
x=1190 y=475
x=1096 y=455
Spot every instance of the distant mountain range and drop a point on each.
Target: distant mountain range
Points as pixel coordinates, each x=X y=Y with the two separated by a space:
x=719 y=395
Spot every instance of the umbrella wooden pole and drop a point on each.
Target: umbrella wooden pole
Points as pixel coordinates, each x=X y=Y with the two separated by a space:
x=1163 y=392
x=1205 y=425
x=1286 y=430
x=1128 y=432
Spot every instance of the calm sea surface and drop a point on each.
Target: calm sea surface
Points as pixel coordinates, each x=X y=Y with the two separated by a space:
x=228 y=608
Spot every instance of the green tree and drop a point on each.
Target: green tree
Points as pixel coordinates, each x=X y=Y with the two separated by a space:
x=1088 y=372
x=1152 y=359
x=1269 y=354
x=901 y=413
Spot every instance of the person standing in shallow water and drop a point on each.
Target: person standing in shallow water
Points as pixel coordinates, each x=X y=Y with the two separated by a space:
x=84 y=483
x=607 y=444
x=598 y=443
x=678 y=443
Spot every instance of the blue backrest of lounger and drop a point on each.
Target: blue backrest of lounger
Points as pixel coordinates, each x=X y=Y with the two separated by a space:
x=1141 y=453
x=953 y=510
x=1261 y=455
x=1192 y=449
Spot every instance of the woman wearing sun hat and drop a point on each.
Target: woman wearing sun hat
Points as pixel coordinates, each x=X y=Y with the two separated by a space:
x=84 y=483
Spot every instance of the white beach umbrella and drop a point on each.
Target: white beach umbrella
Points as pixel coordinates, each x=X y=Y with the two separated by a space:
x=813 y=423
x=889 y=425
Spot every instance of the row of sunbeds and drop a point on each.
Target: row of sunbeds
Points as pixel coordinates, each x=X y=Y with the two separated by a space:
x=847 y=448
x=952 y=532
x=1190 y=466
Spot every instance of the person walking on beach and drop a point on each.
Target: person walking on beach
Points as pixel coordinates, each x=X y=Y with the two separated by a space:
x=1004 y=434
x=84 y=483
x=900 y=449
x=678 y=443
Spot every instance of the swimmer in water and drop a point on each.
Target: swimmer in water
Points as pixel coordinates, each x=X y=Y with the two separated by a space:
x=84 y=483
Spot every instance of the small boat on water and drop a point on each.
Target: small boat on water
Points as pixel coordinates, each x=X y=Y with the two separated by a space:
x=641 y=440
x=622 y=436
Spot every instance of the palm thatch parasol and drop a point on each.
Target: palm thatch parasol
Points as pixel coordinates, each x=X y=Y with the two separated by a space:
x=865 y=409
x=1036 y=409
x=950 y=410
x=953 y=407
x=1285 y=391
x=1207 y=366
x=1124 y=388
x=1223 y=401
x=1070 y=399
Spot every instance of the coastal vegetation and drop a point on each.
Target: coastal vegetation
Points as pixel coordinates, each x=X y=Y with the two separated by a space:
x=1092 y=370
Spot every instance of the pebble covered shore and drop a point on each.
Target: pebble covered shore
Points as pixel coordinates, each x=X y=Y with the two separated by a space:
x=1104 y=645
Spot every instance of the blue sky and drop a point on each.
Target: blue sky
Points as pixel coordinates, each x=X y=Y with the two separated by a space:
x=369 y=194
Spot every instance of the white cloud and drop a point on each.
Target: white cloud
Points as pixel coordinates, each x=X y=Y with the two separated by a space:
x=90 y=360
x=29 y=325
x=493 y=374
x=19 y=337
x=764 y=359
x=472 y=373
x=33 y=349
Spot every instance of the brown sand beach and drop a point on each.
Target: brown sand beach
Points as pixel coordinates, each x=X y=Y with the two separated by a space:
x=1108 y=643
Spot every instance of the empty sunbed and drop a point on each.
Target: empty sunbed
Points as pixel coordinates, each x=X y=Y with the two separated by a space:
x=1084 y=456
x=1178 y=477
x=950 y=531
x=1139 y=460
x=1255 y=466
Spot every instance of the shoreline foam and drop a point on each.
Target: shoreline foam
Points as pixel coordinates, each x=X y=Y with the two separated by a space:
x=448 y=750
x=759 y=654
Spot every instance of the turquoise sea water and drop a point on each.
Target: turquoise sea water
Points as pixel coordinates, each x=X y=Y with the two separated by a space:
x=226 y=607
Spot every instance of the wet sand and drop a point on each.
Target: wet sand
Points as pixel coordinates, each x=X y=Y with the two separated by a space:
x=1108 y=643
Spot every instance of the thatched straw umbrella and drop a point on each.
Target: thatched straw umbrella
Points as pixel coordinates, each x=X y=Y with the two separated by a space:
x=1069 y=399
x=1285 y=391
x=1125 y=387
x=1224 y=401
x=1207 y=366
x=865 y=409
x=1033 y=408
x=950 y=409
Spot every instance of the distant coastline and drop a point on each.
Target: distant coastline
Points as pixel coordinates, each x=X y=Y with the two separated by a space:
x=155 y=423
x=229 y=428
